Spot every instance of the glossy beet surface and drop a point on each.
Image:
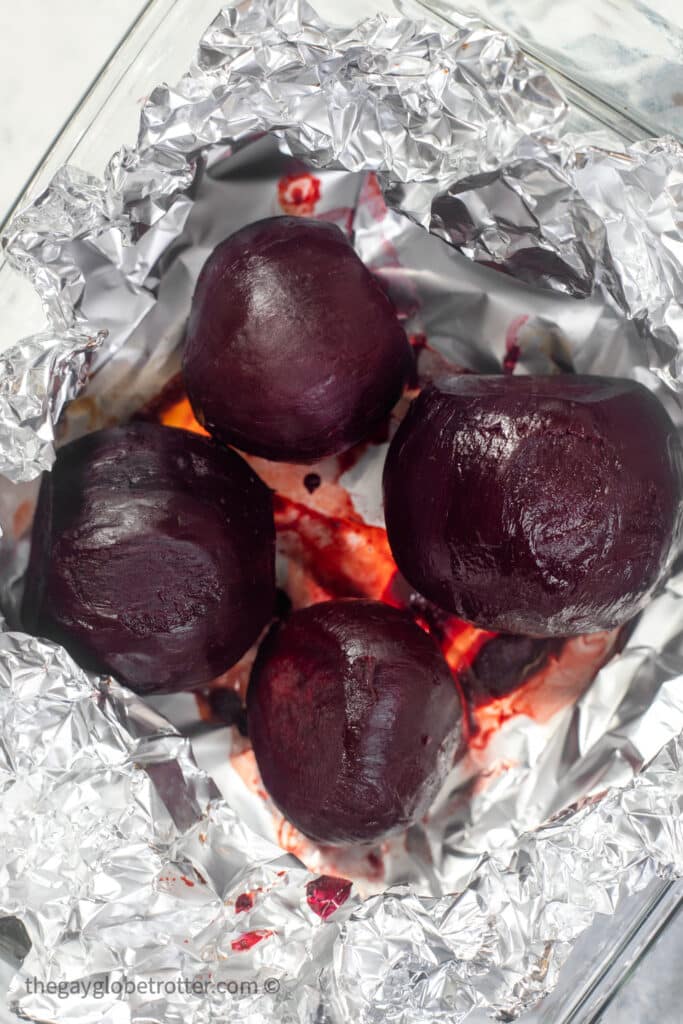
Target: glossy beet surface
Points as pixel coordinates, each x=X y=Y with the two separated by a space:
x=293 y=350
x=354 y=718
x=537 y=505
x=152 y=556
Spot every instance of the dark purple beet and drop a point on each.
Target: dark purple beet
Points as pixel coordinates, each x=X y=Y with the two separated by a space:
x=293 y=349
x=504 y=663
x=226 y=705
x=152 y=556
x=354 y=719
x=540 y=505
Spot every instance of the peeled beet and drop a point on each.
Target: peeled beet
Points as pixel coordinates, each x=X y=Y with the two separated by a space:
x=293 y=349
x=354 y=718
x=540 y=505
x=152 y=556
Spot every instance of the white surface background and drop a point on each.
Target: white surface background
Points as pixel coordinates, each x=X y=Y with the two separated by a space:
x=50 y=51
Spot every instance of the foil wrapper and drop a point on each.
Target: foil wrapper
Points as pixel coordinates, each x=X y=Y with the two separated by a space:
x=444 y=155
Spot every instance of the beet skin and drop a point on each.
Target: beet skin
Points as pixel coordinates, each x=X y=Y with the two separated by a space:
x=293 y=349
x=152 y=556
x=546 y=506
x=354 y=718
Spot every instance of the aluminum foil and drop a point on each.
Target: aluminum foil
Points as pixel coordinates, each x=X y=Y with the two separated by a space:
x=441 y=154
x=129 y=876
x=125 y=867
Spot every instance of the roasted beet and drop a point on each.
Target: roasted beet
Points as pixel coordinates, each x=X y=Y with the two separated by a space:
x=152 y=556
x=354 y=718
x=537 y=505
x=293 y=349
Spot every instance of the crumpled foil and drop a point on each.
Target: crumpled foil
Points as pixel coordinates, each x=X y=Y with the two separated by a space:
x=37 y=379
x=123 y=863
x=125 y=867
x=466 y=138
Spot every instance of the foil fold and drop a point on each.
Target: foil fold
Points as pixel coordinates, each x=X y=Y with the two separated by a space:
x=578 y=218
x=444 y=155
x=38 y=377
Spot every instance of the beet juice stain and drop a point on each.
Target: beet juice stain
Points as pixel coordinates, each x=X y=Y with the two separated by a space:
x=249 y=939
x=513 y=349
x=298 y=194
x=244 y=902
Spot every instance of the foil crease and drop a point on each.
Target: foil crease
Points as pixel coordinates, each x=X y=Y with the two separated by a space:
x=467 y=139
x=121 y=862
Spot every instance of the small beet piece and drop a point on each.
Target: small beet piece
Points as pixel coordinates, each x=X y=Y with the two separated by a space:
x=354 y=719
x=504 y=663
x=546 y=506
x=152 y=557
x=293 y=349
x=326 y=894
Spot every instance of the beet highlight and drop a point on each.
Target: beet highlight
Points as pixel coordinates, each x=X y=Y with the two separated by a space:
x=293 y=349
x=546 y=506
x=354 y=719
x=152 y=557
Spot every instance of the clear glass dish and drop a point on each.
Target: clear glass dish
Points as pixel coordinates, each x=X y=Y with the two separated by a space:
x=622 y=69
x=620 y=61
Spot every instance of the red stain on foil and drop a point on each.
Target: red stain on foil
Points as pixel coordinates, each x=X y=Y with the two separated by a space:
x=342 y=216
x=376 y=866
x=22 y=518
x=187 y=881
x=289 y=838
x=249 y=940
x=298 y=194
x=326 y=894
x=245 y=901
x=339 y=556
x=512 y=347
x=461 y=642
x=371 y=197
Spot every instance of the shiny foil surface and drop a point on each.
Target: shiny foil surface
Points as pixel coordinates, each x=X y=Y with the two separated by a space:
x=444 y=155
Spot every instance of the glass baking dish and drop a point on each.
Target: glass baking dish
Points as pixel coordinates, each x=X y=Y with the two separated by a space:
x=621 y=68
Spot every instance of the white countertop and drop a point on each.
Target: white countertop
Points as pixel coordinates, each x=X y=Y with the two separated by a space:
x=49 y=54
